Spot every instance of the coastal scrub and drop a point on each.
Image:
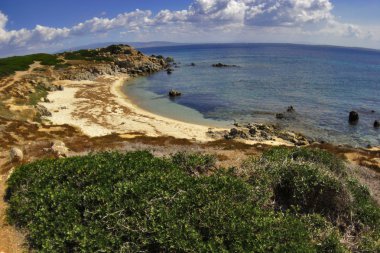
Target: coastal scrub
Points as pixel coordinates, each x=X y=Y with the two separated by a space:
x=283 y=202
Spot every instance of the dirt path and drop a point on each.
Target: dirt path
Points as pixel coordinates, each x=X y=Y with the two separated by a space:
x=11 y=240
x=9 y=81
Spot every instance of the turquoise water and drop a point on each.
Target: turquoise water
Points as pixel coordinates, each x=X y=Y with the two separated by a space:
x=322 y=83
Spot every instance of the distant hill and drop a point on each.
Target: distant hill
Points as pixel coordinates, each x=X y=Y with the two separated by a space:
x=133 y=44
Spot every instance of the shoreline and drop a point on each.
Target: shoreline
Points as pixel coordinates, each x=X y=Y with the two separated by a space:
x=99 y=108
x=113 y=112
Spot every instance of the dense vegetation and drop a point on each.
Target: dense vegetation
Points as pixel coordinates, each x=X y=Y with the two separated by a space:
x=21 y=63
x=102 y=54
x=9 y=65
x=289 y=200
x=87 y=55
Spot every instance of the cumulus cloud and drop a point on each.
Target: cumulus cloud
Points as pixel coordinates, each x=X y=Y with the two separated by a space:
x=200 y=15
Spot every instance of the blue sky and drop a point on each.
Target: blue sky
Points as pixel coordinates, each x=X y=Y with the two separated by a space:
x=43 y=25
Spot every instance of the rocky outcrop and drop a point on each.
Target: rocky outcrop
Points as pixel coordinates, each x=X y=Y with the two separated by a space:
x=260 y=132
x=116 y=59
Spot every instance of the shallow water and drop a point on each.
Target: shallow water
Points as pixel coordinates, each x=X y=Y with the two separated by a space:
x=322 y=83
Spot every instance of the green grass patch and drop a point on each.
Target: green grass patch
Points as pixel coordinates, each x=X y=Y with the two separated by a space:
x=21 y=63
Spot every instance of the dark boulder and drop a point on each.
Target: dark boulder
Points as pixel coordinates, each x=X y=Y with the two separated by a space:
x=280 y=116
x=252 y=131
x=192 y=64
x=169 y=71
x=353 y=118
x=174 y=93
x=234 y=132
x=376 y=124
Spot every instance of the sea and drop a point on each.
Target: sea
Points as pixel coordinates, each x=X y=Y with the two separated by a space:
x=322 y=83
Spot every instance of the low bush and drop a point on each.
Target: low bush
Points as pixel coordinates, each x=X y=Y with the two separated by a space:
x=135 y=202
x=312 y=190
x=194 y=163
x=307 y=155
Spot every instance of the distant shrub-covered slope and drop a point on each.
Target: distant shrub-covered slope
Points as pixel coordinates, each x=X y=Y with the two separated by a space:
x=21 y=63
x=288 y=201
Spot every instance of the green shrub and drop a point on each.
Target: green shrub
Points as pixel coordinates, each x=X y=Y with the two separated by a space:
x=299 y=155
x=194 y=163
x=135 y=202
x=312 y=190
x=317 y=183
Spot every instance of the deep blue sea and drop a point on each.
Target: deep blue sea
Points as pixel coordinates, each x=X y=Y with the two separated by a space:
x=322 y=83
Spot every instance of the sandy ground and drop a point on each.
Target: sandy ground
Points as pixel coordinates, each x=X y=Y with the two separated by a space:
x=100 y=108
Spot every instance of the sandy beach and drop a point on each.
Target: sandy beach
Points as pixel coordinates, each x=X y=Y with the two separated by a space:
x=100 y=108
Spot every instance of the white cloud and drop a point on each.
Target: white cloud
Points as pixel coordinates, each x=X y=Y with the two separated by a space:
x=302 y=16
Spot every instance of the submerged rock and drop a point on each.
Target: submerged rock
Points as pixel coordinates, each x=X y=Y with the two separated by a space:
x=280 y=116
x=221 y=65
x=353 y=118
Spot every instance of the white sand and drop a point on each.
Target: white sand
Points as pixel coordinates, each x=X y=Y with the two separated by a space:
x=99 y=119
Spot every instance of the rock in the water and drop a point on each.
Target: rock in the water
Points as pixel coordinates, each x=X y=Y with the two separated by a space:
x=280 y=116
x=192 y=64
x=290 y=109
x=353 y=117
x=169 y=71
x=43 y=111
x=221 y=65
x=16 y=154
x=174 y=93
x=376 y=124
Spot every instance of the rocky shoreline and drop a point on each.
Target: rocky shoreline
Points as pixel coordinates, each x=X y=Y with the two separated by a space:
x=86 y=80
